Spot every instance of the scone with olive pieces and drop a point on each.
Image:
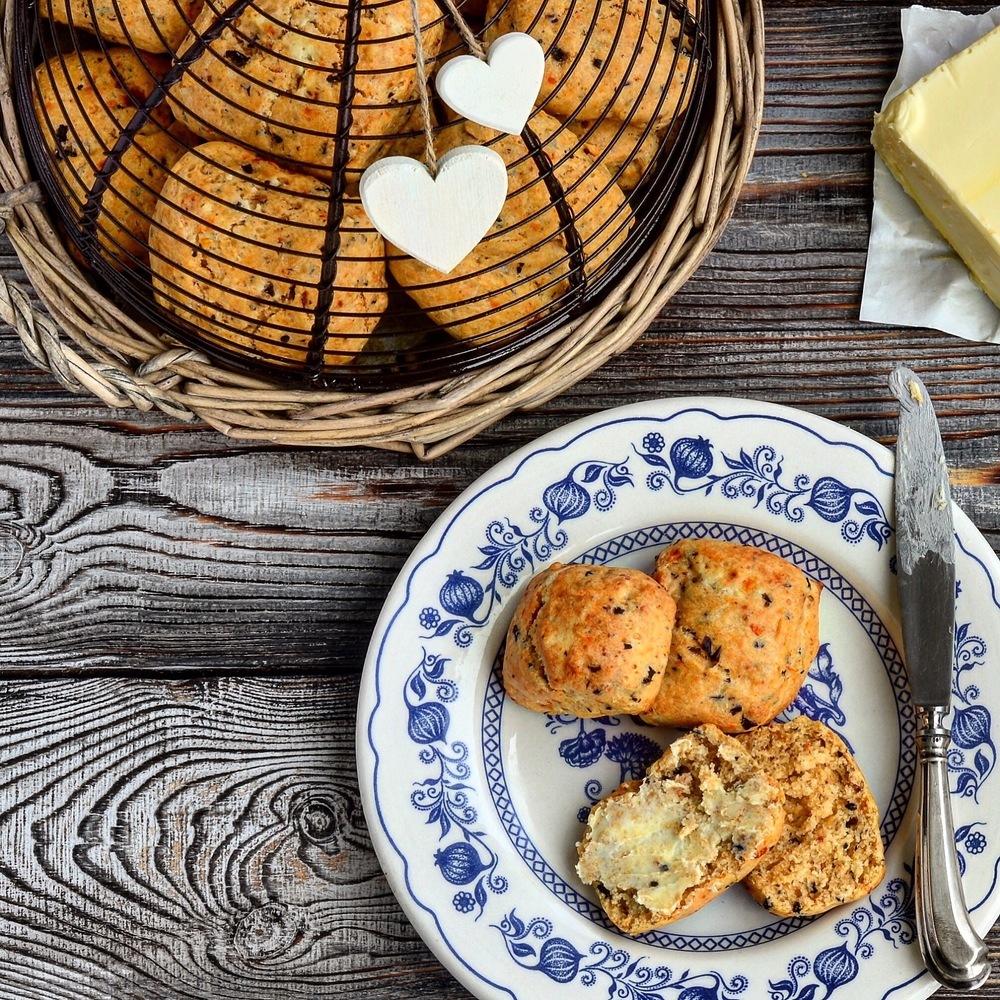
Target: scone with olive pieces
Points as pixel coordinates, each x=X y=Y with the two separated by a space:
x=629 y=60
x=149 y=25
x=84 y=101
x=238 y=249
x=747 y=631
x=620 y=75
x=527 y=262
x=831 y=850
x=588 y=641
x=658 y=849
x=274 y=76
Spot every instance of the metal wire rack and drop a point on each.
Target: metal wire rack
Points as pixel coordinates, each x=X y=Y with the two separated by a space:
x=202 y=159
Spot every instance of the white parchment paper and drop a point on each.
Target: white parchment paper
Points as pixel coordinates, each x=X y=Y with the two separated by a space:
x=913 y=277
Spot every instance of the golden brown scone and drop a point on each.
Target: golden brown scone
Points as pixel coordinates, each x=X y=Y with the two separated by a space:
x=830 y=851
x=237 y=245
x=150 y=25
x=83 y=101
x=624 y=150
x=604 y=58
x=588 y=640
x=658 y=849
x=747 y=632
x=522 y=264
x=272 y=78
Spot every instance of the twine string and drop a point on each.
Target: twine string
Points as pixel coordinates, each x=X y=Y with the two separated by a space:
x=423 y=87
x=468 y=35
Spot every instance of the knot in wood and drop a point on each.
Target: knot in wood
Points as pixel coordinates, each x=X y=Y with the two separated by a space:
x=267 y=932
x=321 y=819
x=11 y=552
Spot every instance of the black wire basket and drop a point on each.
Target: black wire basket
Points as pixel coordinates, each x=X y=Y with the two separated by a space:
x=202 y=159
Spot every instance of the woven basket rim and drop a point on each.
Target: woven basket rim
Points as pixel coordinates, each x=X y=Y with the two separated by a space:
x=91 y=346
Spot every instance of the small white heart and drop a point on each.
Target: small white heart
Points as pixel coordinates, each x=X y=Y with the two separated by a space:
x=499 y=93
x=437 y=219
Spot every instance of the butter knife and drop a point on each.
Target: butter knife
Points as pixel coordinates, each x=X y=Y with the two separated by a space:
x=953 y=952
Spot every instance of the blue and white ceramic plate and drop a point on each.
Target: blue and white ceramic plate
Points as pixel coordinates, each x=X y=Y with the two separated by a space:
x=475 y=804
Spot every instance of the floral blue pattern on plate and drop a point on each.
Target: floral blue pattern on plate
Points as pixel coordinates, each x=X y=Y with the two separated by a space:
x=475 y=804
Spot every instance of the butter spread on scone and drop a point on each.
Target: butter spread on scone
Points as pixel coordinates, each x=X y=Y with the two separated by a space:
x=588 y=640
x=746 y=633
x=831 y=850
x=658 y=849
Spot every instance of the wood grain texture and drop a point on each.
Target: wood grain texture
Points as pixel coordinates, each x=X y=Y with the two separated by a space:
x=192 y=839
x=183 y=620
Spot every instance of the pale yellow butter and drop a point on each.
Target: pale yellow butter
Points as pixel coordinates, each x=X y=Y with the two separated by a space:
x=941 y=141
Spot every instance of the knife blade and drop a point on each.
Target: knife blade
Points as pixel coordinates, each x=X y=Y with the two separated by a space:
x=925 y=561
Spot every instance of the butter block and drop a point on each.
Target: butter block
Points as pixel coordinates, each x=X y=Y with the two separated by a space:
x=941 y=141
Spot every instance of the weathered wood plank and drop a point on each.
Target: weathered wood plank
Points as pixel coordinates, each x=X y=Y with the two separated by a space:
x=198 y=839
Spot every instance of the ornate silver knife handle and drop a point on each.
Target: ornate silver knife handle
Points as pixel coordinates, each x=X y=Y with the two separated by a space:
x=952 y=950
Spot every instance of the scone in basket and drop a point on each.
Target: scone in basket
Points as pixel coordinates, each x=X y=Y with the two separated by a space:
x=182 y=184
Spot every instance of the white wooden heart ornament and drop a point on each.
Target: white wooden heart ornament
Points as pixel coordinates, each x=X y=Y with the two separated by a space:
x=499 y=93
x=437 y=219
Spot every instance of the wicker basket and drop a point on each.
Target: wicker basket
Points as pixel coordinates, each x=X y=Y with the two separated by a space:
x=92 y=345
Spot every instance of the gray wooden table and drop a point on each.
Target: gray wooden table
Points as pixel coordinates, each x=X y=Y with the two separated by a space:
x=183 y=620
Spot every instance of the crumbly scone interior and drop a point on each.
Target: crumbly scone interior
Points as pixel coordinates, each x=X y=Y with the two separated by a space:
x=830 y=851
x=698 y=814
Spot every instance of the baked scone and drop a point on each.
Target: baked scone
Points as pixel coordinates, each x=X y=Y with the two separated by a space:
x=620 y=75
x=747 y=632
x=272 y=78
x=588 y=640
x=522 y=265
x=83 y=101
x=830 y=851
x=623 y=149
x=604 y=60
x=658 y=849
x=237 y=247
x=149 y=25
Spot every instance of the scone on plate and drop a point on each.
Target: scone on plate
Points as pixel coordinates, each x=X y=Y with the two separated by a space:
x=588 y=641
x=747 y=631
x=237 y=249
x=658 y=849
x=831 y=850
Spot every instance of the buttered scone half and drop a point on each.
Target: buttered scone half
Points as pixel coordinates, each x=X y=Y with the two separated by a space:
x=589 y=641
x=658 y=849
x=831 y=850
x=747 y=631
